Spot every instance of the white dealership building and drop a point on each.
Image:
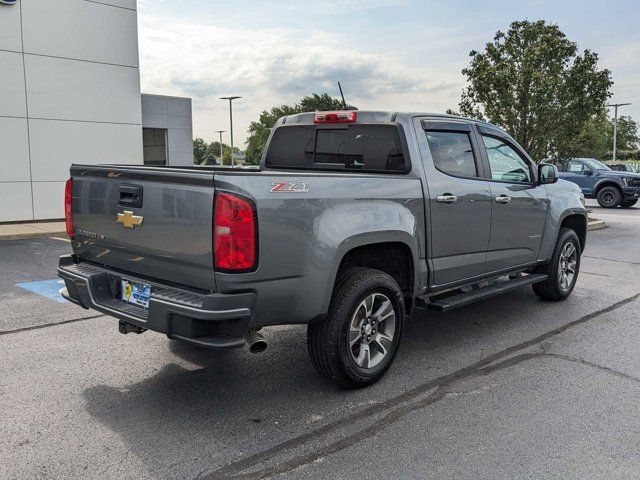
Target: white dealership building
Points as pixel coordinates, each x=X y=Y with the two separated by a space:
x=70 y=93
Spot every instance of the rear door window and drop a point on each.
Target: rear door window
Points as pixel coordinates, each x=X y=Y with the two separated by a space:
x=357 y=147
x=452 y=153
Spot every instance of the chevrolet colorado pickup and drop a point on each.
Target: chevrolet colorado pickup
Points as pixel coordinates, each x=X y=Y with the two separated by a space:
x=353 y=220
x=610 y=187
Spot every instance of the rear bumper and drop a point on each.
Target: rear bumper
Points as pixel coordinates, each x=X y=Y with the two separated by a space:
x=206 y=320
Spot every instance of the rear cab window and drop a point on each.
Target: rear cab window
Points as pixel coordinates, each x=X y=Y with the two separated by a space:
x=355 y=147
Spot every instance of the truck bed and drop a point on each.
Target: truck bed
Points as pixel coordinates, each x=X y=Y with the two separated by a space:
x=299 y=233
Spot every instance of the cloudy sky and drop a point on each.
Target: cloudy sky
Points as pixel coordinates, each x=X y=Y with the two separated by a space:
x=388 y=54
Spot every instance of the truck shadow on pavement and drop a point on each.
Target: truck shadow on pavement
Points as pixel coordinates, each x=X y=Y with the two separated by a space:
x=203 y=409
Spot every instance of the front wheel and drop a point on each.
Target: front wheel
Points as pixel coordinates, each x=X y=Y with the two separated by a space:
x=609 y=197
x=629 y=203
x=355 y=345
x=563 y=268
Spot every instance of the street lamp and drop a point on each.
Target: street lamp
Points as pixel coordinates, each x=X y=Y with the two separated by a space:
x=615 y=125
x=231 y=99
x=221 y=157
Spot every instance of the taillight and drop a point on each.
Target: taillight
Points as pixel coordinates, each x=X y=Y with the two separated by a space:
x=68 y=213
x=234 y=233
x=335 y=117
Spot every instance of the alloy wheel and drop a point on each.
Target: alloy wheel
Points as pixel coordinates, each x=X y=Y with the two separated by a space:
x=567 y=266
x=372 y=330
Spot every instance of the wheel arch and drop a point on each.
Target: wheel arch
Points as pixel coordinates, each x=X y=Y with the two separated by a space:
x=577 y=223
x=606 y=183
x=394 y=253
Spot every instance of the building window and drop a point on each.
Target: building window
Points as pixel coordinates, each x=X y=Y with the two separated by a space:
x=154 y=142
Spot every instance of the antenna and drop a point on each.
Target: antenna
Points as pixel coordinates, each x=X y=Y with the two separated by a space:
x=342 y=95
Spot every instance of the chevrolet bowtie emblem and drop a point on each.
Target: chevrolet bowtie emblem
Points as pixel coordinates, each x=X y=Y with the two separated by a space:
x=129 y=220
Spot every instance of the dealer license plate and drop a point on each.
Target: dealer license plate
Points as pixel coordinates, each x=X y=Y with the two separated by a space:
x=135 y=293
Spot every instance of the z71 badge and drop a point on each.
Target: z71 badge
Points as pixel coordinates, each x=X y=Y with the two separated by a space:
x=289 y=187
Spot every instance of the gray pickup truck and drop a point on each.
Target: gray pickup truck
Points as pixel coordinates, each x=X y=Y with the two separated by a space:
x=352 y=221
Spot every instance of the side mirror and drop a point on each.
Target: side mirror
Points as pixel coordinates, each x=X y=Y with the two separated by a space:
x=587 y=172
x=547 y=173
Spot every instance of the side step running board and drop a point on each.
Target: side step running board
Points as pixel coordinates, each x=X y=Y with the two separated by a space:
x=462 y=299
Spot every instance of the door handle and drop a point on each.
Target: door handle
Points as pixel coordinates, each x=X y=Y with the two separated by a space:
x=504 y=199
x=447 y=198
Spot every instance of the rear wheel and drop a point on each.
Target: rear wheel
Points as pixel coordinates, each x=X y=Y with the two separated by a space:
x=609 y=197
x=563 y=268
x=355 y=345
x=629 y=203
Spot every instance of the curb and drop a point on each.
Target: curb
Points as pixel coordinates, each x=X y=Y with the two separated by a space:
x=26 y=236
x=22 y=231
x=595 y=224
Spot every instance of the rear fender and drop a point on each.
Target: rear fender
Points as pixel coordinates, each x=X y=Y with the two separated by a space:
x=351 y=226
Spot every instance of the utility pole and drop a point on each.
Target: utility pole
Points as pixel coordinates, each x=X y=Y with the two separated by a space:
x=615 y=125
x=221 y=157
x=231 y=99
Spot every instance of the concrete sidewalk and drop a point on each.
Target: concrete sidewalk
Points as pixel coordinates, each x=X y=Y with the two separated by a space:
x=16 y=231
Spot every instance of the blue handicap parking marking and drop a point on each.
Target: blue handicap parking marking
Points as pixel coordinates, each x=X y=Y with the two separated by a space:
x=46 y=288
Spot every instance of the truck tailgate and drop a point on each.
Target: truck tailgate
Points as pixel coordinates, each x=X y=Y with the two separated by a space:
x=173 y=208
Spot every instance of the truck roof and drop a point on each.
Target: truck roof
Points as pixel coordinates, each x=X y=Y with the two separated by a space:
x=373 y=116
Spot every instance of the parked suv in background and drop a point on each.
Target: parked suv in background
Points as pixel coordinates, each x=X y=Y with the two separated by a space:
x=610 y=187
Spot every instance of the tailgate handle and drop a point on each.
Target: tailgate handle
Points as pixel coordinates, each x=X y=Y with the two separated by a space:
x=130 y=196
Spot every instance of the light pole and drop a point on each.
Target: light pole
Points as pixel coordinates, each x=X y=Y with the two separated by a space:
x=221 y=157
x=231 y=99
x=615 y=125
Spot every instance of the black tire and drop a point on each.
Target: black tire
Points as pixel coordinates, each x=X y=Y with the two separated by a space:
x=629 y=203
x=609 y=197
x=552 y=288
x=328 y=341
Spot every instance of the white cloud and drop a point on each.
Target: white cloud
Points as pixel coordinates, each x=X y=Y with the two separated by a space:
x=274 y=66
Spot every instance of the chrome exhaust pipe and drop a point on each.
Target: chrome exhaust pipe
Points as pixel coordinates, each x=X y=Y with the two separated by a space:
x=255 y=342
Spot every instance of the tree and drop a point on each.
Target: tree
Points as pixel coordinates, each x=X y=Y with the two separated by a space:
x=259 y=130
x=206 y=154
x=532 y=82
x=595 y=140
x=200 y=152
x=627 y=133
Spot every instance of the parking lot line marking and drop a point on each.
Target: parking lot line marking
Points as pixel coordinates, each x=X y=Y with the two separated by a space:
x=611 y=260
x=47 y=325
x=46 y=288
x=68 y=240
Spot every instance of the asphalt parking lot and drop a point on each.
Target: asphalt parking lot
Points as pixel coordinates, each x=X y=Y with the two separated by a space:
x=514 y=387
